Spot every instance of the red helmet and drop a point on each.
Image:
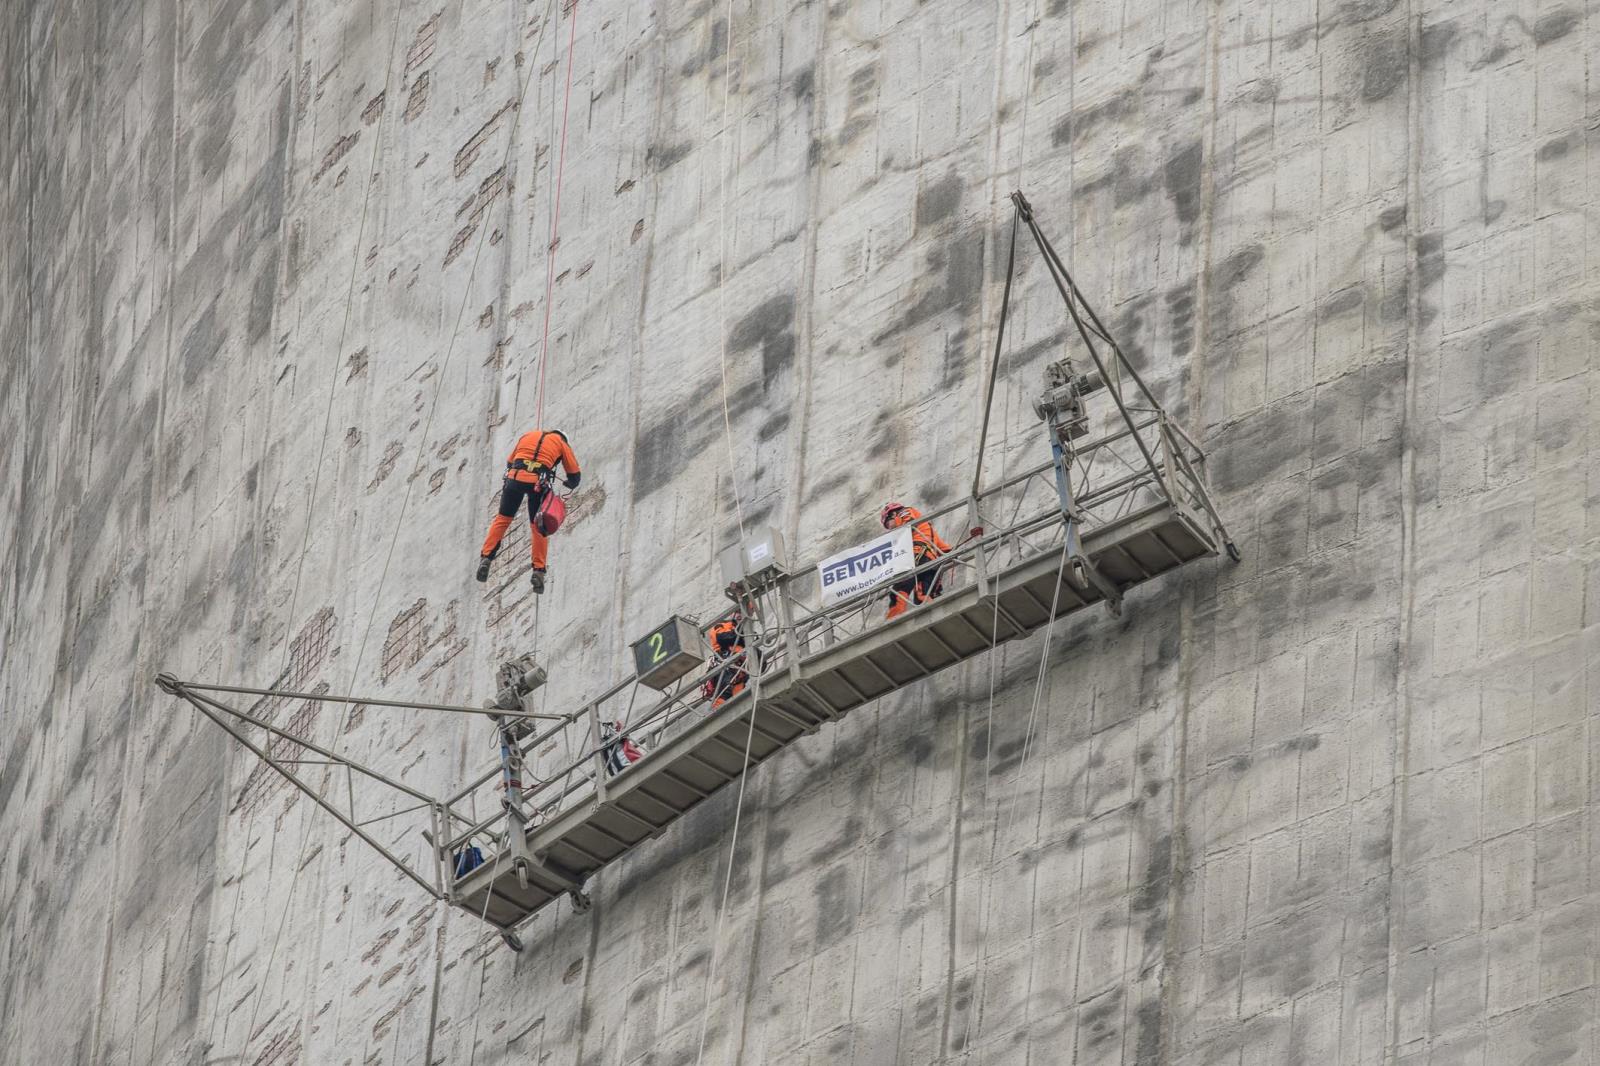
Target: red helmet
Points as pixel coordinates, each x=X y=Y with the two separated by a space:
x=888 y=512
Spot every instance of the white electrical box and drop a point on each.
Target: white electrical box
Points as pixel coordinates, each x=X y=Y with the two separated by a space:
x=762 y=555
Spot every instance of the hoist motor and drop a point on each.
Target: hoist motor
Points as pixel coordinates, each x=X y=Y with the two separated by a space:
x=1062 y=401
x=518 y=678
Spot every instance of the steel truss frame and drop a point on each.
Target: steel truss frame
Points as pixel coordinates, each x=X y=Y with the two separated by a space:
x=1141 y=460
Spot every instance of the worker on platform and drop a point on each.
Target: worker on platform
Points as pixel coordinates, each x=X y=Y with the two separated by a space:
x=728 y=675
x=927 y=581
x=530 y=475
x=618 y=748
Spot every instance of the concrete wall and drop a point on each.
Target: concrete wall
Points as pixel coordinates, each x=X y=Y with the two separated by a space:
x=274 y=299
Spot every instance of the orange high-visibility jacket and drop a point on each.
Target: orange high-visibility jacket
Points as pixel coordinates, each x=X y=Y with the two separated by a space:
x=925 y=540
x=540 y=450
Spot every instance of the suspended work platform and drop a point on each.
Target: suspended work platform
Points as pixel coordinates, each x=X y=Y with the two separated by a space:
x=1121 y=500
x=597 y=826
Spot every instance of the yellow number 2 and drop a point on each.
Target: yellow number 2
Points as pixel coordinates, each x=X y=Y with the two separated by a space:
x=657 y=652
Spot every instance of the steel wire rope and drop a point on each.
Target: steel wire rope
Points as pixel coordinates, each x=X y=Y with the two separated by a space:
x=722 y=268
x=1022 y=768
x=727 y=878
x=555 y=214
x=422 y=451
x=733 y=482
x=483 y=970
x=344 y=326
x=327 y=421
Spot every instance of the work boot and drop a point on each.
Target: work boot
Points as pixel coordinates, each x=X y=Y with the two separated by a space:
x=538 y=581
x=483 y=567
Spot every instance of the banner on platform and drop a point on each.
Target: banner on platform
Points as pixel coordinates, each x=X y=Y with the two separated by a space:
x=860 y=568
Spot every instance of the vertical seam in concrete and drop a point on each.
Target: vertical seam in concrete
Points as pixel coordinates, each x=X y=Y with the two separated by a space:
x=592 y=955
x=159 y=464
x=759 y=886
x=1178 y=871
x=804 y=354
x=804 y=358
x=1408 y=525
x=973 y=1031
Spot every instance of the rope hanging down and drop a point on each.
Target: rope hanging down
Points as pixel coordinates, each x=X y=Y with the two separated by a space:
x=417 y=467
x=999 y=342
x=555 y=217
x=311 y=503
x=722 y=272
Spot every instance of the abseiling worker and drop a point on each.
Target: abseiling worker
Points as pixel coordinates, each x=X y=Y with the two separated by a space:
x=728 y=674
x=530 y=475
x=926 y=548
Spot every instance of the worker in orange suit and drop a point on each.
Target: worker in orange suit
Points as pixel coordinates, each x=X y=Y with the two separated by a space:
x=530 y=474
x=926 y=547
x=728 y=674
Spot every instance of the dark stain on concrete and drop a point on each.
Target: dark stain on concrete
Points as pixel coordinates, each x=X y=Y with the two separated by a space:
x=960 y=262
x=1392 y=218
x=835 y=910
x=663 y=157
x=1086 y=119
x=1358 y=11
x=201 y=343
x=1553 y=149
x=716 y=45
x=1147 y=1030
x=917 y=748
x=939 y=199
x=1430 y=258
x=1384 y=62
x=773 y=427
x=1346 y=300
x=770 y=328
x=804 y=82
x=1555 y=25
x=1434 y=43
x=1240 y=265
x=263 y=294
x=1181 y=176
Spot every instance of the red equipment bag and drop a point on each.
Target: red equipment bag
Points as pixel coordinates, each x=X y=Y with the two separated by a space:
x=552 y=512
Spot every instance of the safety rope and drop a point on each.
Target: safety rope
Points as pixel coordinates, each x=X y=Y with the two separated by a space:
x=727 y=878
x=733 y=482
x=722 y=269
x=1022 y=768
x=999 y=341
x=316 y=481
x=555 y=218
x=416 y=469
x=338 y=353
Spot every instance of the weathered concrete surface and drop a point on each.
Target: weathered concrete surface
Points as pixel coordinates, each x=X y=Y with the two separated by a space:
x=1336 y=804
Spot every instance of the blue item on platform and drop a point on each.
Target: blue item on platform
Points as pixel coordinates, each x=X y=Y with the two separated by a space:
x=468 y=860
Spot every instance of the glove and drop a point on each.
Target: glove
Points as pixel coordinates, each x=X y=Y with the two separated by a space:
x=572 y=482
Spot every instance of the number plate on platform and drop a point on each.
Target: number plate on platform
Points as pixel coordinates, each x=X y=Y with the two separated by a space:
x=670 y=651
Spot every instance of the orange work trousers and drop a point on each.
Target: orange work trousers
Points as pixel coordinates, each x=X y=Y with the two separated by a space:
x=512 y=492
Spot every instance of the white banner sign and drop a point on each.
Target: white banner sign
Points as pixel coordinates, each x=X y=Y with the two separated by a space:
x=858 y=569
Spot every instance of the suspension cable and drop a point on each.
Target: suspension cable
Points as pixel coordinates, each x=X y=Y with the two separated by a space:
x=999 y=341
x=316 y=480
x=722 y=269
x=416 y=470
x=727 y=879
x=555 y=216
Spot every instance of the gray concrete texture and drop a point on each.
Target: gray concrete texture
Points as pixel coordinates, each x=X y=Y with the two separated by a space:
x=274 y=301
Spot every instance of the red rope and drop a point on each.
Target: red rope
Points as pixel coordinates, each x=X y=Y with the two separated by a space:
x=555 y=222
